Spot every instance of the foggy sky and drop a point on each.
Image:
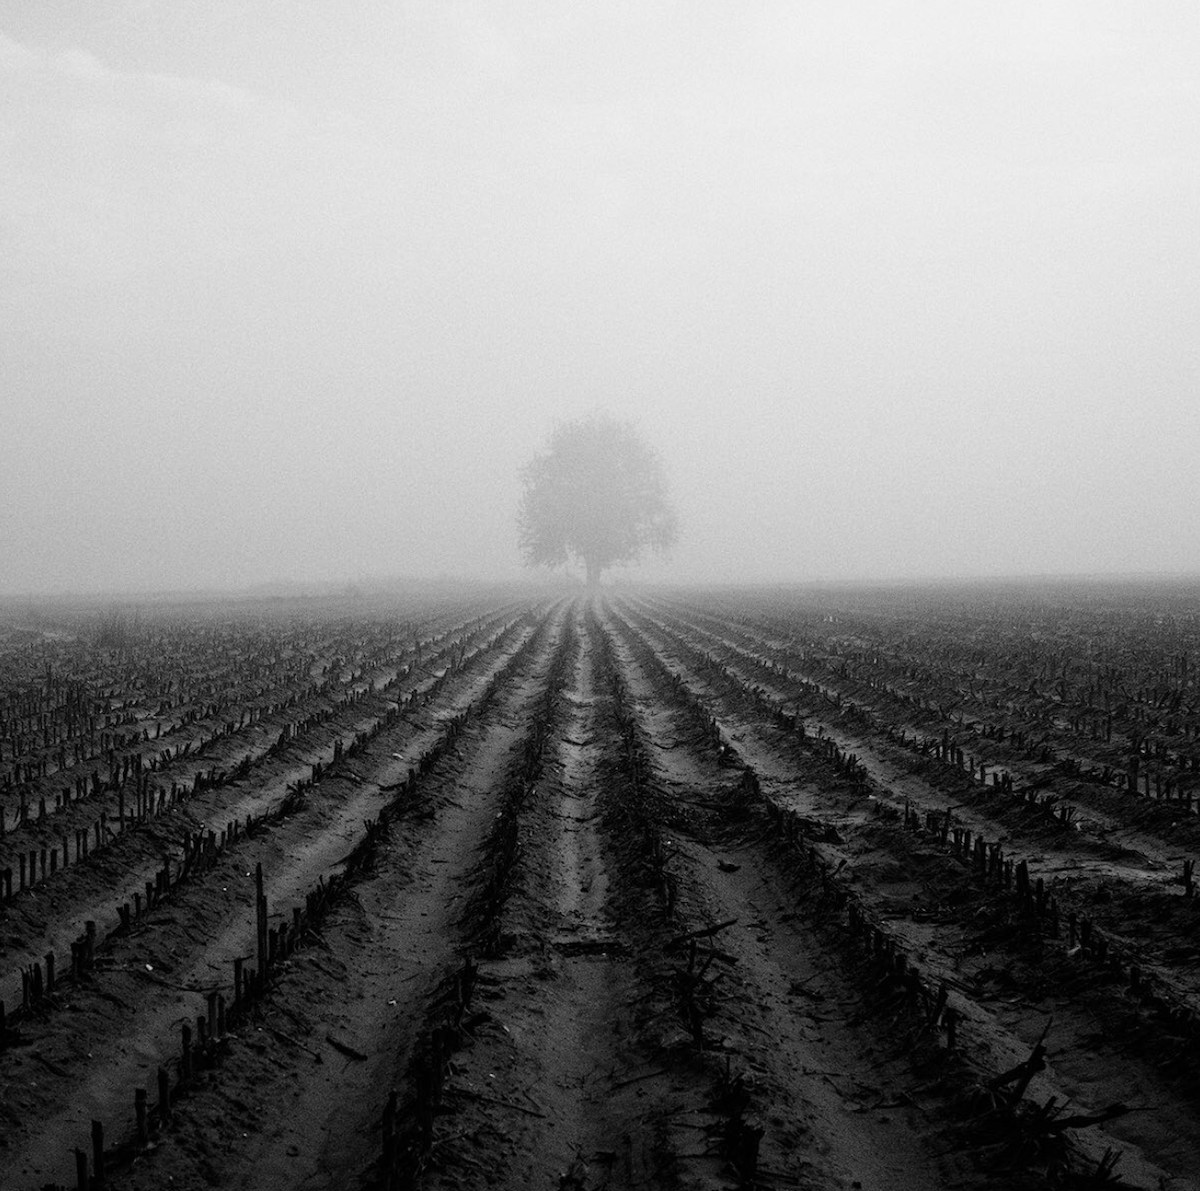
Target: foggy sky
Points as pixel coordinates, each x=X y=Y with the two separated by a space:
x=896 y=289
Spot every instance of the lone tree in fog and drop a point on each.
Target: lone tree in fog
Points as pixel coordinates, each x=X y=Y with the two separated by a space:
x=597 y=494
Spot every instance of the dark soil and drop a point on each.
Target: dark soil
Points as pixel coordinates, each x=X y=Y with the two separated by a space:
x=624 y=893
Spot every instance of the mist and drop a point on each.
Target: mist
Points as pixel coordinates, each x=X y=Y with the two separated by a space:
x=293 y=291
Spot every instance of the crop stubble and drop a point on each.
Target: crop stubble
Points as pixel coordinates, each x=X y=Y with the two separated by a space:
x=688 y=893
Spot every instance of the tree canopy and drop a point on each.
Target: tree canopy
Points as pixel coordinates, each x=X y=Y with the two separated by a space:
x=596 y=494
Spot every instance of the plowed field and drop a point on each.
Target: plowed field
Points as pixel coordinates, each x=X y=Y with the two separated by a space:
x=884 y=890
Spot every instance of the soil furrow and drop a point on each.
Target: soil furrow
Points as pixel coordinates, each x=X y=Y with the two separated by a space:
x=1130 y=899
x=50 y=916
x=149 y=974
x=226 y=754
x=835 y=1108
x=221 y=736
x=957 y=940
x=763 y=890
x=1103 y=817
x=544 y=1088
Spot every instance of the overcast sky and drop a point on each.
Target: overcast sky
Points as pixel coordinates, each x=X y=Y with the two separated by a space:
x=292 y=289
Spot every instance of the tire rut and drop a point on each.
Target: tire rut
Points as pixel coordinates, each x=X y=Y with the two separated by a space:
x=536 y=1088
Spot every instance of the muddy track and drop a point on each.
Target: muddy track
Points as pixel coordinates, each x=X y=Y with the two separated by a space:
x=549 y=1090
x=1013 y=979
x=656 y=1013
x=94 y=1040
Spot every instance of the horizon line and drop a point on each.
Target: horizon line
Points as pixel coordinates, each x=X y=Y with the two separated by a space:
x=286 y=588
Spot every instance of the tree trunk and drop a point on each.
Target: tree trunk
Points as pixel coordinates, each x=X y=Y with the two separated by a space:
x=593 y=575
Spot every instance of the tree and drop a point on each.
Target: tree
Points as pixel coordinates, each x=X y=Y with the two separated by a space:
x=596 y=494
